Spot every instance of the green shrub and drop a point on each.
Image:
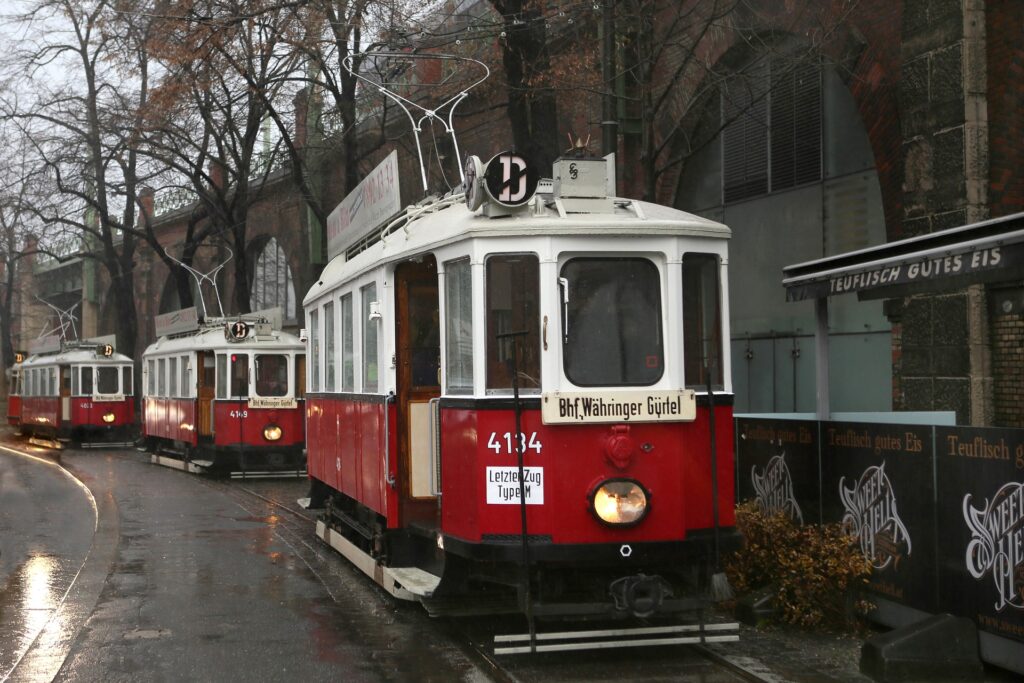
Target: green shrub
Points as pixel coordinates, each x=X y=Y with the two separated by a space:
x=816 y=570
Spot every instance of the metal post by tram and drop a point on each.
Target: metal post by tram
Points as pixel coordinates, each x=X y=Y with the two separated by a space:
x=527 y=595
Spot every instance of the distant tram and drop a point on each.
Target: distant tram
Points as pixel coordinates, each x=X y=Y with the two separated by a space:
x=73 y=392
x=519 y=401
x=225 y=396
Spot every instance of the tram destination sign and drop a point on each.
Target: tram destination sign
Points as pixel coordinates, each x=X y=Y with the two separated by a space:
x=176 y=322
x=47 y=344
x=590 y=407
x=375 y=200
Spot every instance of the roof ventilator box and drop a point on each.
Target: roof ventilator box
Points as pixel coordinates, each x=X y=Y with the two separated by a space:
x=580 y=185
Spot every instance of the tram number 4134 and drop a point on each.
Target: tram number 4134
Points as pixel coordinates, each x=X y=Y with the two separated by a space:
x=502 y=443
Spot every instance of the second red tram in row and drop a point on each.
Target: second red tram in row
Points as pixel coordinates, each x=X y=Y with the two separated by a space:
x=579 y=332
x=225 y=395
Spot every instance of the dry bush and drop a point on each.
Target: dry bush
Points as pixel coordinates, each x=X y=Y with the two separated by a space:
x=816 y=571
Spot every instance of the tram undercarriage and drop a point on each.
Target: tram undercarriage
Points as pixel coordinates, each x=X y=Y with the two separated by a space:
x=623 y=607
x=248 y=462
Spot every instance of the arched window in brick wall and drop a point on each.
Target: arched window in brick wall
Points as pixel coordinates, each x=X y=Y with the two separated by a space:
x=772 y=135
x=272 y=284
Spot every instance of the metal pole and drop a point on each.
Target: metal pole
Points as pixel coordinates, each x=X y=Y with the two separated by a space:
x=525 y=577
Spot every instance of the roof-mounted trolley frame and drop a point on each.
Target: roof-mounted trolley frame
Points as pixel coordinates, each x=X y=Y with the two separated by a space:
x=209 y=276
x=429 y=115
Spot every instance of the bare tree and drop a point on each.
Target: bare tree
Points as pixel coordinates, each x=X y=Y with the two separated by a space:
x=223 y=62
x=86 y=71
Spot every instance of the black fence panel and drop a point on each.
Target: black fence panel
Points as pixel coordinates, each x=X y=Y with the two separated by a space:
x=877 y=480
x=980 y=515
x=777 y=465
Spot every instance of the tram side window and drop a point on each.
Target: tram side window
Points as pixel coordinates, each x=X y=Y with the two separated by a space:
x=369 y=296
x=54 y=387
x=107 y=377
x=300 y=375
x=513 y=305
x=348 y=371
x=314 y=350
x=702 y=321
x=272 y=374
x=74 y=382
x=459 y=327
x=127 y=385
x=65 y=377
x=87 y=381
x=151 y=377
x=611 y=322
x=222 y=375
x=329 y=363
x=161 y=377
x=172 y=378
x=186 y=386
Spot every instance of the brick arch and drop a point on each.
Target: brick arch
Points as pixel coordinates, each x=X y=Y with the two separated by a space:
x=864 y=48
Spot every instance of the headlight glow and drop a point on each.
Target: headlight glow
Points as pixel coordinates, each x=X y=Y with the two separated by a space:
x=108 y=417
x=620 y=502
x=272 y=432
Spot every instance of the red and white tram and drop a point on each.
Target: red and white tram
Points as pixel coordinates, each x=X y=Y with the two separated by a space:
x=78 y=392
x=224 y=396
x=526 y=406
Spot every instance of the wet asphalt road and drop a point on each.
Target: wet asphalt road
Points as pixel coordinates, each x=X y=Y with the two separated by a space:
x=192 y=579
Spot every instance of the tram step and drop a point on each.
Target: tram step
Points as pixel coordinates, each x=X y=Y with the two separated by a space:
x=680 y=634
x=415 y=580
x=270 y=474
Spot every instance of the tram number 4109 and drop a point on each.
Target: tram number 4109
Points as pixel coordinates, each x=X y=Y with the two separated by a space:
x=502 y=443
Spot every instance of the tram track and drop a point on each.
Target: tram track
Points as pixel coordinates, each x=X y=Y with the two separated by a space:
x=473 y=635
x=269 y=502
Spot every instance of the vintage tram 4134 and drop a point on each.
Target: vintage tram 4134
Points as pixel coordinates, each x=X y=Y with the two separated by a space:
x=518 y=401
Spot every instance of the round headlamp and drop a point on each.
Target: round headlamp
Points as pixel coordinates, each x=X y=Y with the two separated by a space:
x=272 y=432
x=108 y=417
x=620 y=502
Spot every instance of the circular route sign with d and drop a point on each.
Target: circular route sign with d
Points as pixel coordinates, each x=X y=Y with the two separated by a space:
x=510 y=179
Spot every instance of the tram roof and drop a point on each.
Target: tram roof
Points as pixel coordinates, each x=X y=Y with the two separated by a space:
x=455 y=222
x=75 y=356
x=211 y=337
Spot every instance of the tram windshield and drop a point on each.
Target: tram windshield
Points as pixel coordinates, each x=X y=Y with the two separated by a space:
x=107 y=379
x=611 y=321
x=271 y=374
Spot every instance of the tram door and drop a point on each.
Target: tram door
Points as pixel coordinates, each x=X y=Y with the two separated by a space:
x=418 y=358
x=65 y=392
x=205 y=380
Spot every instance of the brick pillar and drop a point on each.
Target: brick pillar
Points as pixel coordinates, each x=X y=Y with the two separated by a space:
x=945 y=356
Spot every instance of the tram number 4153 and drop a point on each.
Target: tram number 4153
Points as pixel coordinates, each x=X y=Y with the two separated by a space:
x=502 y=443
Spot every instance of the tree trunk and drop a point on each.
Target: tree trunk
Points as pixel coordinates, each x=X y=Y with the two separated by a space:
x=531 y=111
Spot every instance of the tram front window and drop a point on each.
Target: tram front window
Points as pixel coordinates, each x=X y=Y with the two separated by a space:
x=271 y=375
x=611 y=322
x=107 y=380
x=513 y=308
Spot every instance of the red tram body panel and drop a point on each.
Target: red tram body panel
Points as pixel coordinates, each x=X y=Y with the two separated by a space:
x=344 y=444
x=571 y=462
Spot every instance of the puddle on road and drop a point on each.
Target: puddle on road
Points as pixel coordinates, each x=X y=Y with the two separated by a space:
x=27 y=603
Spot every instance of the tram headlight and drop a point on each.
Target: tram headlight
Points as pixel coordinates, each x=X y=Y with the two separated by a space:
x=108 y=417
x=620 y=502
x=272 y=432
